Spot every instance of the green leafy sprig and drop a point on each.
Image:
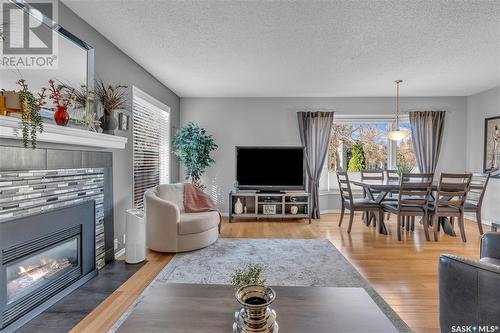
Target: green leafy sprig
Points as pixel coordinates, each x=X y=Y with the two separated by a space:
x=31 y=121
x=250 y=274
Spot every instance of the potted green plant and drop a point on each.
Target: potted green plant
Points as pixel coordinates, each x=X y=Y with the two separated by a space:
x=111 y=98
x=31 y=121
x=192 y=145
x=250 y=274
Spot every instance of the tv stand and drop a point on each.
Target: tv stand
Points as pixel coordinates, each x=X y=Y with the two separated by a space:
x=271 y=205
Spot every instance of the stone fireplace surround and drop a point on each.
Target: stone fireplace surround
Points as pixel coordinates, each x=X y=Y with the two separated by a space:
x=43 y=257
x=16 y=160
x=19 y=159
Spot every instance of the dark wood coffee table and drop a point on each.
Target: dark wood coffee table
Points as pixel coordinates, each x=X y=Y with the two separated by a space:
x=176 y=308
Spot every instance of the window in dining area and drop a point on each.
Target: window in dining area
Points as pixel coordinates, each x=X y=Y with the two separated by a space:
x=358 y=144
x=405 y=156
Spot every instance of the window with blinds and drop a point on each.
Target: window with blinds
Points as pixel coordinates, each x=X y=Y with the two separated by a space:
x=151 y=136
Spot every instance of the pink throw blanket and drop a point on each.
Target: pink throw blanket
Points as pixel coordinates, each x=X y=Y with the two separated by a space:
x=195 y=200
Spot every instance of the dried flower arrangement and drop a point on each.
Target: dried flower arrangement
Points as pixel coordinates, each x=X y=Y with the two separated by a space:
x=61 y=96
x=111 y=97
x=31 y=121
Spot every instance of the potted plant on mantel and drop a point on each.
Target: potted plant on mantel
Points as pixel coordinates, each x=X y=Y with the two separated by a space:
x=193 y=147
x=111 y=98
x=29 y=105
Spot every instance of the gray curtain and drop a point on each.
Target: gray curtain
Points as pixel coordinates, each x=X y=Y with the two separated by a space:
x=315 y=129
x=427 y=132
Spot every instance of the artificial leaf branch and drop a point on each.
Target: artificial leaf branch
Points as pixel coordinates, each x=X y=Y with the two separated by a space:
x=31 y=121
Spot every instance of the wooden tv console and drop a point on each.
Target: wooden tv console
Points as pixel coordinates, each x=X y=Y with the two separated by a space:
x=260 y=205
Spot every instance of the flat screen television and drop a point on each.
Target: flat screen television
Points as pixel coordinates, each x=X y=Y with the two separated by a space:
x=270 y=168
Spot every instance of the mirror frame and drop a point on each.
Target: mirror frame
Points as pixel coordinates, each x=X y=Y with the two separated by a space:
x=53 y=25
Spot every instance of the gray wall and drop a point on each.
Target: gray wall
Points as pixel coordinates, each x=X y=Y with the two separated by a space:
x=272 y=121
x=480 y=106
x=114 y=66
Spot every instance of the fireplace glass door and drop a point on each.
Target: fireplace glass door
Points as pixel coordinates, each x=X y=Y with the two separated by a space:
x=33 y=272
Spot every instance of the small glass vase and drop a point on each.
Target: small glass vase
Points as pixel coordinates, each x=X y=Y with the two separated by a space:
x=255 y=314
x=61 y=116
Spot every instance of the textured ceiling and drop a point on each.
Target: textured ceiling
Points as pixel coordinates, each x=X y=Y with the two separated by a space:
x=306 y=48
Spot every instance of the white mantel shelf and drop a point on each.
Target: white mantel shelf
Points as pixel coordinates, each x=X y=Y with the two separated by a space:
x=10 y=128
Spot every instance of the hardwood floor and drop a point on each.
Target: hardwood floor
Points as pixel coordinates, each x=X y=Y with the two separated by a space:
x=404 y=273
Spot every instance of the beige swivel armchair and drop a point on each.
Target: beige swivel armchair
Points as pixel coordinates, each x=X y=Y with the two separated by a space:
x=169 y=228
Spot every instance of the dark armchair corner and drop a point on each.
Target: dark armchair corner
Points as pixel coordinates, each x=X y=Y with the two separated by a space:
x=469 y=290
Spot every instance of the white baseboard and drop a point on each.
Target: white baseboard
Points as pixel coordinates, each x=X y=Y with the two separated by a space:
x=472 y=217
x=119 y=253
x=326 y=211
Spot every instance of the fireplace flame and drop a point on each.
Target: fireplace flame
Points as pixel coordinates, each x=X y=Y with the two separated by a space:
x=30 y=275
x=46 y=266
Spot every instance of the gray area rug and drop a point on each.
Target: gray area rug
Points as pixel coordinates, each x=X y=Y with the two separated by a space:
x=288 y=262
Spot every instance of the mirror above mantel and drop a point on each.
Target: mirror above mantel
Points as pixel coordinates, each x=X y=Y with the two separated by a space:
x=72 y=62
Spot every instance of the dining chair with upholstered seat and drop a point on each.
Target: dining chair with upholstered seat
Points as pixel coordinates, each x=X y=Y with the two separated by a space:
x=353 y=205
x=391 y=175
x=413 y=200
x=474 y=200
x=377 y=175
x=450 y=200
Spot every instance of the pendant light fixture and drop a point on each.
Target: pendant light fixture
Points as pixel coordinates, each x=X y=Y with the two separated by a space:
x=397 y=134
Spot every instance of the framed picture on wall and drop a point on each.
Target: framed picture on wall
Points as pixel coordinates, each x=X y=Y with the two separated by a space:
x=492 y=145
x=123 y=121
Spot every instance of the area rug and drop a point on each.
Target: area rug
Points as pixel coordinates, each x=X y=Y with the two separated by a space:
x=288 y=262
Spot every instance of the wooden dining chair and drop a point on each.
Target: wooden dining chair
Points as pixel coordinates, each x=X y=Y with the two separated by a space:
x=370 y=175
x=413 y=200
x=450 y=200
x=353 y=205
x=391 y=175
x=474 y=200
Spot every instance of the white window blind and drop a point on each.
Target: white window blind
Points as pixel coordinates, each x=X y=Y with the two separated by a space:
x=151 y=136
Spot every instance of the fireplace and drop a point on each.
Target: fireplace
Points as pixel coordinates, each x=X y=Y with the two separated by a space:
x=36 y=271
x=44 y=257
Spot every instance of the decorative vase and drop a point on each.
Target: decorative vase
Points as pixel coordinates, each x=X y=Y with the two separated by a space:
x=294 y=210
x=238 y=207
x=108 y=123
x=61 y=116
x=256 y=314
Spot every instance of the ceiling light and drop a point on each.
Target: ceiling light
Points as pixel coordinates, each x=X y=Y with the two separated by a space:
x=397 y=134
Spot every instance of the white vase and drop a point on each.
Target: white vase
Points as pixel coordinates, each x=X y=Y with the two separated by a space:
x=238 y=207
x=294 y=210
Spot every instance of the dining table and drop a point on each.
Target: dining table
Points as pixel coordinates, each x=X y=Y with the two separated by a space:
x=378 y=190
